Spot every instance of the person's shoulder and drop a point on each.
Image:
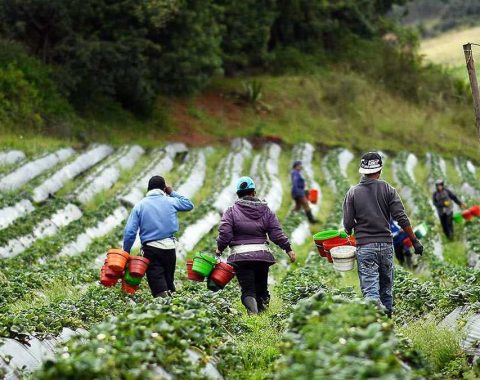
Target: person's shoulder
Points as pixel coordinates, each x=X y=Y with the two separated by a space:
x=386 y=185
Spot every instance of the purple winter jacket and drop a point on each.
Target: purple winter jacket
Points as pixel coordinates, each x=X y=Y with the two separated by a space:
x=250 y=221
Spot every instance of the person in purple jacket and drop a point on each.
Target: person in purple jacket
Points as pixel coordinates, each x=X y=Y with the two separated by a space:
x=299 y=193
x=246 y=227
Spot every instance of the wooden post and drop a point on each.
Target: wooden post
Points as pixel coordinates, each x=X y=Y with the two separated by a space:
x=467 y=49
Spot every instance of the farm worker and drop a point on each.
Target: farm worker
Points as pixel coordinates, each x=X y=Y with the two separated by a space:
x=299 y=192
x=367 y=211
x=156 y=218
x=246 y=227
x=401 y=245
x=443 y=199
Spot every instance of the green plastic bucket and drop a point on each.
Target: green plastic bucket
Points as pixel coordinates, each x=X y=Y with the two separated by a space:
x=325 y=235
x=203 y=264
x=421 y=230
x=130 y=280
x=457 y=217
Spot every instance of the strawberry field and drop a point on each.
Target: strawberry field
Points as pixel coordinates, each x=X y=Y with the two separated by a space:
x=61 y=210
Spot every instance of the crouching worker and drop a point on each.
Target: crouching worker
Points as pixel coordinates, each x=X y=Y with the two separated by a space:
x=402 y=245
x=156 y=218
x=246 y=227
x=368 y=209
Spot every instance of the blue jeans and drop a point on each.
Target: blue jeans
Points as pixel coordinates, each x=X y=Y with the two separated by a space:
x=375 y=270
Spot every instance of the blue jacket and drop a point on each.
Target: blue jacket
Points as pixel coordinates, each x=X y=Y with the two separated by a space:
x=298 y=184
x=156 y=217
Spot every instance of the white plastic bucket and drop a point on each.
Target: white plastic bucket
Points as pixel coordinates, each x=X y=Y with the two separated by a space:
x=343 y=257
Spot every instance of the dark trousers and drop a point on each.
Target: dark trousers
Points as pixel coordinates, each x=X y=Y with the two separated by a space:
x=161 y=270
x=302 y=202
x=253 y=279
x=447 y=224
x=403 y=255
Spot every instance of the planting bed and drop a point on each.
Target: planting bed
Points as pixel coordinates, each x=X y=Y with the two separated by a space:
x=62 y=210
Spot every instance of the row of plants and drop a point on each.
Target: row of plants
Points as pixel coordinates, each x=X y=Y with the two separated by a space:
x=340 y=186
x=199 y=223
x=264 y=172
x=107 y=175
x=422 y=210
x=82 y=163
x=32 y=169
x=10 y=159
x=27 y=220
x=162 y=162
x=11 y=203
x=186 y=336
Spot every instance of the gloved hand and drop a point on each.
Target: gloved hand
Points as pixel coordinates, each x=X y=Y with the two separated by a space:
x=218 y=253
x=418 y=246
x=292 y=256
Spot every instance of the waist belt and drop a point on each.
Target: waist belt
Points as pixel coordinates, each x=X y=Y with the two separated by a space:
x=244 y=248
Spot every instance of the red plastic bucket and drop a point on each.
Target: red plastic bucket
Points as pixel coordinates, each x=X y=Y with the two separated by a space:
x=467 y=215
x=336 y=242
x=407 y=243
x=137 y=266
x=117 y=259
x=111 y=273
x=105 y=280
x=191 y=275
x=475 y=210
x=129 y=289
x=313 y=196
x=222 y=274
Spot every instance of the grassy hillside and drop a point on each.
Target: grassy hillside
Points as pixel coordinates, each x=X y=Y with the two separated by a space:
x=447 y=48
x=335 y=108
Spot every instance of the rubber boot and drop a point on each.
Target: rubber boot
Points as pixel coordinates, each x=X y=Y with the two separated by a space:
x=263 y=304
x=250 y=304
x=310 y=217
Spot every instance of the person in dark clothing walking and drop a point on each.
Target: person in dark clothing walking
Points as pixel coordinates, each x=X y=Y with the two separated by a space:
x=156 y=218
x=299 y=192
x=443 y=200
x=367 y=210
x=246 y=227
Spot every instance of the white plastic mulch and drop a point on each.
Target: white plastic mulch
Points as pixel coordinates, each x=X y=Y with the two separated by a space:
x=102 y=228
x=34 y=168
x=302 y=232
x=161 y=165
x=267 y=179
x=11 y=213
x=197 y=230
x=107 y=177
x=47 y=227
x=79 y=165
x=11 y=157
x=23 y=358
x=195 y=180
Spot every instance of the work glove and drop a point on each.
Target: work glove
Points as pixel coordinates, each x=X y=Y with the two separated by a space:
x=218 y=253
x=417 y=245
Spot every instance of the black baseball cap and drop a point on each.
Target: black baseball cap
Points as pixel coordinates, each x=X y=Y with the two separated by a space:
x=371 y=163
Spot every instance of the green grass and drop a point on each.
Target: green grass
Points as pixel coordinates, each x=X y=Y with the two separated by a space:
x=454 y=252
x=439 y=345
x=259 y=348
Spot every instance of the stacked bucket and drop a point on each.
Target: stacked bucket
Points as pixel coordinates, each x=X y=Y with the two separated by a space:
x=120 y=265
x=467 y=215
x=217 y=273
x=337 y=247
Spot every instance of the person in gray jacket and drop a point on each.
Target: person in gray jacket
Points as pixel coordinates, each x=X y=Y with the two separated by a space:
x=367 y=211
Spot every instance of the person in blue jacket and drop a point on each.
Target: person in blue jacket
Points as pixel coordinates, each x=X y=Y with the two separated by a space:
x=156 y=218
x=402 y=249
x=299 y=194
